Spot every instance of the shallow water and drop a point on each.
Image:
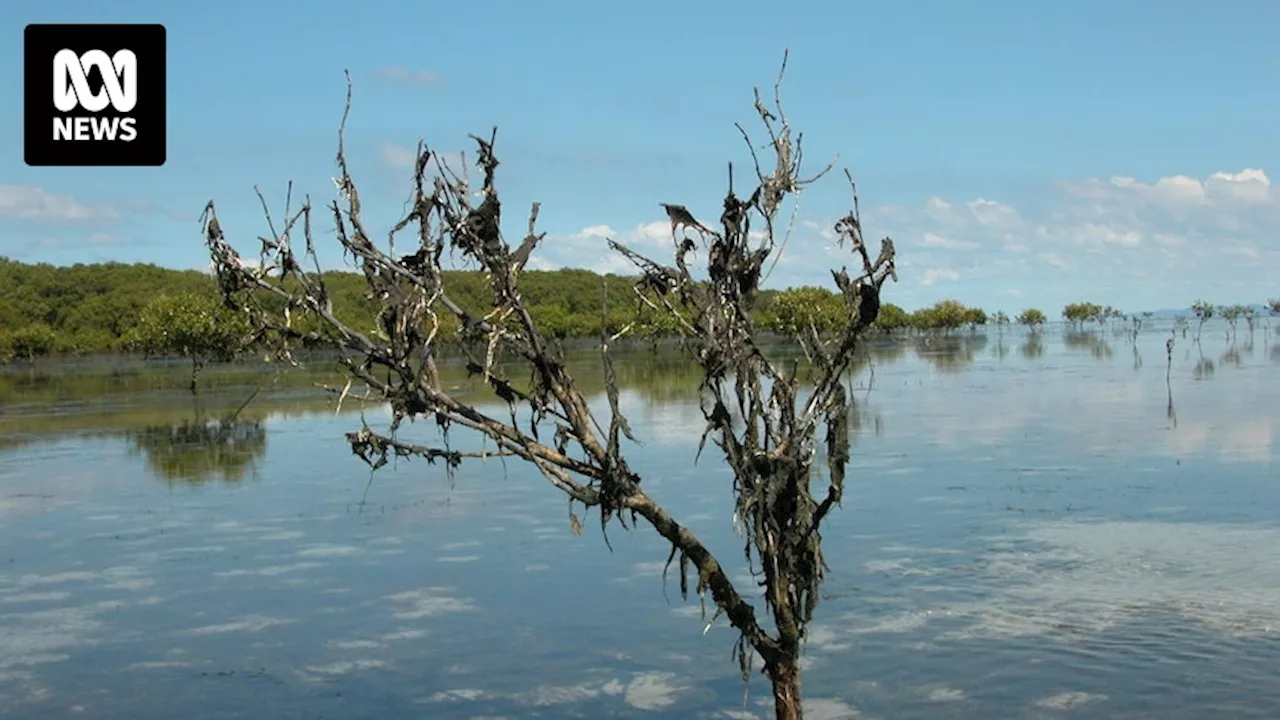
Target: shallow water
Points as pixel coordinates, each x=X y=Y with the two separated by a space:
x=1030 y=529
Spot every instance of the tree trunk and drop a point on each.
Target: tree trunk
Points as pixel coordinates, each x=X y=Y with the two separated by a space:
x=785 y=676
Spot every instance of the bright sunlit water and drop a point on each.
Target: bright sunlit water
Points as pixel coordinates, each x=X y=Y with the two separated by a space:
x=1032 y=528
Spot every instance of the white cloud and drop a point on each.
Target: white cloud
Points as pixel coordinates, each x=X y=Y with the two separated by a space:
x=1248 y=186
x=942 y=212
x=931 y=240
x=1093 y=237
x=25 y=202
x=401 y=75
x=933 y=275
x=990 y=213
x=1098 y=236
x=1085 y=239
x=825 y=231
x=589 y=248
x=1054 y=260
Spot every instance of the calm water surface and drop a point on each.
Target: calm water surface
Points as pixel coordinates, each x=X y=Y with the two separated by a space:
x=1034 y=527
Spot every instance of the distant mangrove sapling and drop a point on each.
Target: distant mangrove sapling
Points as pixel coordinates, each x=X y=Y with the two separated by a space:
x=1031 y=318
x=1203 y=311
x=194 y=326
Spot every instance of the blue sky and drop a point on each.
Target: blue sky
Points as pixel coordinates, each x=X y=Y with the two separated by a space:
x=1020 y=153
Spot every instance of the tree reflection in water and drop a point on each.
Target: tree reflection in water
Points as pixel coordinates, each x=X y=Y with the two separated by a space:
x=198 y=451
x=1091 y=341
x=949 y=353
x=1033 y=347
x=1203 y=369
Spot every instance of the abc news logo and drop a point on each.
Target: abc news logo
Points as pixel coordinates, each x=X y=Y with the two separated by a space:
x=71 y=90
x=107 y=105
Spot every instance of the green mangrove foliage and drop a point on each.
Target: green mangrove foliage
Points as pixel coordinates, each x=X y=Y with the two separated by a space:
x=193 y=326
x=1204 y=312
x=1234 y=313
x=1077 y=314
x=115 y=307
x=87 y=308
x=80 y=309
x=826 y=312
x=892 y=318
x=99 y=308
x=947 y=315
x=1032 y=318
x=28 y=343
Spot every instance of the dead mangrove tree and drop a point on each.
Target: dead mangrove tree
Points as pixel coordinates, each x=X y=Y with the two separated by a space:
x=767 y=418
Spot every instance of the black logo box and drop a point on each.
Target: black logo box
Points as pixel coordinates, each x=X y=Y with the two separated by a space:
x=42 y=43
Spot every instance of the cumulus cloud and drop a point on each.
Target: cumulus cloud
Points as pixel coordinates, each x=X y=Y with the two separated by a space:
x=1250 y=186
x=933 y=275
x=931 y=240
x=823 y=231
x=1136 y=244
x=25 y=202
x=589 y=248
x=402 y=75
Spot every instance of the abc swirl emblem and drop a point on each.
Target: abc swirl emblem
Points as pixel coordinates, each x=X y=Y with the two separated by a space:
x=94 y=95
